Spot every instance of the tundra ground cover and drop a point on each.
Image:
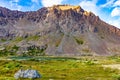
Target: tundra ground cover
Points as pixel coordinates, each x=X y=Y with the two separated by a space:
x=60 y=68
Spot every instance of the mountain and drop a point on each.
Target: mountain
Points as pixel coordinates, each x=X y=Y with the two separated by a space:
x=61 y=30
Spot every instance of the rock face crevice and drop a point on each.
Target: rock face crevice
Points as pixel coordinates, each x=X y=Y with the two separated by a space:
x=58 y=27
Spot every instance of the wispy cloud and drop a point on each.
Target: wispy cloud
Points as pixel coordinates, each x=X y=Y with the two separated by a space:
x=26 y=5
x=48 y=3
x=108 y=4
x=115 y=12
x=114 y=6
x=115 y=22
x=11 y=4
x=36 y=1
x=117 y=3
x=90 y=6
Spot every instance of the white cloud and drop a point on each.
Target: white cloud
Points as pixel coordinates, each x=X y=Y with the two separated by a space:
x=14 y=6
x=11 y=4
x=109 y=3
x=36 y=1
x=115 y=12
x=90 y=6
x=115 y=22
x=48 y=3
x=117 y=3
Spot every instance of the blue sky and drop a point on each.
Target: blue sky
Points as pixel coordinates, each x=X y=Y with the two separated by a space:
x=107 y=10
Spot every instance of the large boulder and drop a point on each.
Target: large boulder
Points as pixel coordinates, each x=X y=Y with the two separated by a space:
x=27 y=74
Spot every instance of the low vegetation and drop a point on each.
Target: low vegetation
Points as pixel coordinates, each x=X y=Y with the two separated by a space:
x=60 y=68
x=79 y=41
x=116 y=76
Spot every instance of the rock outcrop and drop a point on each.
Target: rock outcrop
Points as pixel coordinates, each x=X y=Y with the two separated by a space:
x=32 y=74
x=65 y=30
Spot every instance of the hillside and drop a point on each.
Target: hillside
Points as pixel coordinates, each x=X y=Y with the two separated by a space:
x=61 y=30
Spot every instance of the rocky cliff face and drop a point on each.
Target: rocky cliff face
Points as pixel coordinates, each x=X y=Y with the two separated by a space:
x=61 y=30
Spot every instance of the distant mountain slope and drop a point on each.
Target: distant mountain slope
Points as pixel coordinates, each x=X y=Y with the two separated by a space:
x=61 y=30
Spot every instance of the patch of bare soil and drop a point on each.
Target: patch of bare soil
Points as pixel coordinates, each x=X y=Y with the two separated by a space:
x=113 y=66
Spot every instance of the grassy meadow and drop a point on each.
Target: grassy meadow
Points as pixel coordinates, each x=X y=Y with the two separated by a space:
x=61 y=68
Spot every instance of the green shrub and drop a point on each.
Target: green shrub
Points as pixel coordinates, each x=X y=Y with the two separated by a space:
x=4 y=52
x=17 y=39
x=116 y=76
x=3 y=40
x=35 y=51
x=32 y=38
x=115 y=57
x=79 y=41
x=89 y=62
x=12 y=65
x=15 y=47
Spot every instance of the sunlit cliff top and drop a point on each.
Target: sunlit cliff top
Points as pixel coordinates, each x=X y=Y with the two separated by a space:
x=68 y=7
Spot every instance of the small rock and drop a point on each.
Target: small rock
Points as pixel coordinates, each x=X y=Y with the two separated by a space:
x=27 y=74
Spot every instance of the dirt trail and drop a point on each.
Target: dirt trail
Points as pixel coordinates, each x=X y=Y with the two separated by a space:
x=113 y=66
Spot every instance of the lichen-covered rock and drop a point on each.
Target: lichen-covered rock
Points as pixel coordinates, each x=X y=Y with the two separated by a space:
x=27 y=74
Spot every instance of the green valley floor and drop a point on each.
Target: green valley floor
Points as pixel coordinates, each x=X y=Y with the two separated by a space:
x=63 y=68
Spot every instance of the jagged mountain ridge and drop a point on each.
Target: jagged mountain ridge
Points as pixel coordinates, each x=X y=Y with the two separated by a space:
x=61 y=30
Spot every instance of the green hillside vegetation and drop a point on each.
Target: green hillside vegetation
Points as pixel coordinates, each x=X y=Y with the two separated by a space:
x=59 y=68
